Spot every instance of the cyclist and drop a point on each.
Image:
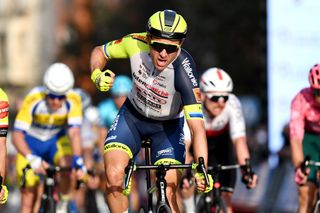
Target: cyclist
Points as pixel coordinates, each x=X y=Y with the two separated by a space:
x=89 y=141
x=47 y=131
x=304 y=137
x=108 y=110
x=225 y=128
x=4 y=113
x=164 y=82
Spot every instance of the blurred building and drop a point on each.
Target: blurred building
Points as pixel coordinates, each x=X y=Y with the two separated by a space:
x=26 y=35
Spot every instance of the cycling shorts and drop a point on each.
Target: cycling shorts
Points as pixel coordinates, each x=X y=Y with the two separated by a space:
x=311 y=147
x=221 y=151
x=50 y=151
x=130 y=127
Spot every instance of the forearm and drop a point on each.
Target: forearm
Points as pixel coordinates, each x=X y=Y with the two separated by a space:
x=74 y=135
x=241 y=148
x=97 y=59
x=20 y=144
x=3 y=157
x=296 y=152
x=199 y=140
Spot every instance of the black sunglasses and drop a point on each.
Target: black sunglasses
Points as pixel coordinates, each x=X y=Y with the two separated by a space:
x=217 y=98
x=157 y=46
x=53 y=96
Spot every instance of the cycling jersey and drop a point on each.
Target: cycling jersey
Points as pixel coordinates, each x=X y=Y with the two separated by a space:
x=158 y=95
x=221 y=131
x=36 y=119
x=305 y=115
x=230 y=120
x=107 y=111
x=4 y=112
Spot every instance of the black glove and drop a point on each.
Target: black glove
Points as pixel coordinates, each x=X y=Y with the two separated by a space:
x=247 y=173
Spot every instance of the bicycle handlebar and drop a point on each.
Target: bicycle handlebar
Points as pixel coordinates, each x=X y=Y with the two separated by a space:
x=307 y=163
x=50 y=171
x=200 y=167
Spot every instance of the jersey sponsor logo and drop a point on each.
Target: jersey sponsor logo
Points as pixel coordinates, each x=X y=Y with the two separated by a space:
x=161 y=93
x=167 y=151
x=196 y=92
x=111 y=137
x=117 y=41
x=181 y=139
x=114 y=124
x=150 y=96
x=4 y=109
x=188 y=69
x=144 y=100
x=139 y=37
x=156 y=82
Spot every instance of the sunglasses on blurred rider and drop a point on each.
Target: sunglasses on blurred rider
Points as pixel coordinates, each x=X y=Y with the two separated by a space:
x=218 y=98
x=53 y=96
x=159 y=46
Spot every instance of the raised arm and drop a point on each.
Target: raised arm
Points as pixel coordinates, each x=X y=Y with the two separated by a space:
x=102 y=79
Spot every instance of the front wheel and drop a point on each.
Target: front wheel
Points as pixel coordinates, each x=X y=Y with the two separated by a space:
x=164 y=208
x=219 y=206
x=204 y=204
x=316 y=208
x=48 y=205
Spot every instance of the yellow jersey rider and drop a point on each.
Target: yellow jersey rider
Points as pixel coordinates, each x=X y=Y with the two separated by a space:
x=165 y=89
x=4 y=112
x=47 y=130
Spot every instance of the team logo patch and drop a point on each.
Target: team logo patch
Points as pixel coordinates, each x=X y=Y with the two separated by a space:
x=4 y=109
x=118 y=41
x=196 y=92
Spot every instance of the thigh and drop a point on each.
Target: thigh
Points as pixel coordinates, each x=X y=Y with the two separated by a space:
x=32 y=180
x=123 y=134
x=221 y=151
x=61 y=151
x=311 y=147
x=168 y=142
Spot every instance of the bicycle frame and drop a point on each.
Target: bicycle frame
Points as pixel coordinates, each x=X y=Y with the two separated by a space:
x=48 y=204
x=161 y=183
x=307 y=163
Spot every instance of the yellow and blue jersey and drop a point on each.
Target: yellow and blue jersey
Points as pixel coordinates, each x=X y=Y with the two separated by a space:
x=36 y=119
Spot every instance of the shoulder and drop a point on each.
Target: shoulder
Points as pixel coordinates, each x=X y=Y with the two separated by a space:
x=3 y=95
x=234 y=100
x=73 y=97
x=304 y=94
x=35 y=94
x=184 y=59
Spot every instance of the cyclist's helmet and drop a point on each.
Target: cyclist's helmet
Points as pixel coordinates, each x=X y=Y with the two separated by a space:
x=167 y=24
x=85 y=98
x=216 y=80
x=121 y=86
x=314 y=77
x=58 y=79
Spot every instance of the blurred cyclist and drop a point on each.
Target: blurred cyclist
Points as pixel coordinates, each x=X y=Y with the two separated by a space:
x=47 y=130
x=4 y=113
x=305 y=139
x=89 y=140
x=225 y=127
x=164 y=83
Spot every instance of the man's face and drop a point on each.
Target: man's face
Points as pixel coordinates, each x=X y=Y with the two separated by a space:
x=163 y=51
x=55 y=101
x=215 y=102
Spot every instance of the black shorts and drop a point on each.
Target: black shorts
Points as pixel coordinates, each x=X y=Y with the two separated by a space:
x=221 y=151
